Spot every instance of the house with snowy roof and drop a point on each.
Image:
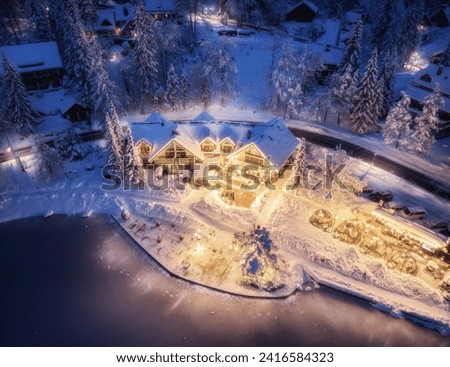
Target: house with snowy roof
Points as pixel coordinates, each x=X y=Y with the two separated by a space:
x=106 y=22
x=39 y=64
x=304 y=11
x=161 y=9
x=442 y=17
x=422 y=84
x=204 y=141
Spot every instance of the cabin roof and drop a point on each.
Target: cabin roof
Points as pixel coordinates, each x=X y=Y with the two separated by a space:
x=33 y=57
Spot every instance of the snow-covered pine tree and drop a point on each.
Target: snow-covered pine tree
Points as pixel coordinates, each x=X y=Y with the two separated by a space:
x=168 y=39
x=364 y=116
x=69 y=146
x=298 y=167
x=386 y=81
x=79 y=55
x=409 y=34
x=39 y=16
x=185 y=85
x=144 y=55
x=343 y=90
x=131 y=160
x=114 y=142
x=285 y=82
x=48 y=161
x=18 y=109
x=398 y=123
x=104 y=91
x=173 y=88
x=219 y=68
x=422 y=139
x=384 y=33
x=87 y=12
x=352 y=57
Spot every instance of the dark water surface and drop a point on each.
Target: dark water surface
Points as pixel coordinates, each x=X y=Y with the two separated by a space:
x=71 y=281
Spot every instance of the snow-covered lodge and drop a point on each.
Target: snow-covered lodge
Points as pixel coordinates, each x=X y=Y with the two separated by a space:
x=39 y=64
x=205 y=141
x=304 y=11
x=161 y=9
x=423 y=84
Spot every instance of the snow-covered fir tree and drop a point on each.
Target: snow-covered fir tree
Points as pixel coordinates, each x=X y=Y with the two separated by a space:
x=409 y=34
x=422 y=139
x=385 y=28
x=131 y=160
x=114 y=143
x=398 y=123
x=18 y=110
x=69 y=146
x=104 y=91
x=79 y=55
x=298 y=166
x=343 y=90
x=386 y=82
x=352 y=57
x=144 y=55
x=287 y=90
x=39 y=16
x=170 y=49
x=364 y=116
x=185 y=85
x=173 y=91
x=48 y=162
x=219 y=68
x=87 y=11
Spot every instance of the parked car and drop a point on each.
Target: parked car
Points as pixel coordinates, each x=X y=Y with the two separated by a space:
x=415 y=212
x=393 y=207
x=381 y=195
x=228 y=32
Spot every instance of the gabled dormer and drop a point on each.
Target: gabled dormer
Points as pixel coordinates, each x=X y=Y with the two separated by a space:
x=227 y=145
x=208 y=145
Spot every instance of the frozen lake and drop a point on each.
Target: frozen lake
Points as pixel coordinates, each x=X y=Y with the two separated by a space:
x=71 y=281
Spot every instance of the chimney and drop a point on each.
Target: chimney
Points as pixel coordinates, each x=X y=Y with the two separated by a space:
x=440 y=70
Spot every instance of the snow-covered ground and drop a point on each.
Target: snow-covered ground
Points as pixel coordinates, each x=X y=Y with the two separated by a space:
x=203 y=220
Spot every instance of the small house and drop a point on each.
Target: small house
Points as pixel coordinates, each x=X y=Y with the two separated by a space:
x=161 y=9
x=422 y=85
x=442 y=17
x=305 y=11
x=39 y=64
x=106 y=22
x=75 y=112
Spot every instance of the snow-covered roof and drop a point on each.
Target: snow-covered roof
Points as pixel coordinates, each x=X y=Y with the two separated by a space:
x=332 y=55
x=106 y=20
x=310 y=4
x=204 y=116
x=33 y=57
x=123 y=12
x=420 y=94
x=332 y=30
x=160 y=6
x=52 y=102
x=273 y=139
x=432 y=74
x=352 y=16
